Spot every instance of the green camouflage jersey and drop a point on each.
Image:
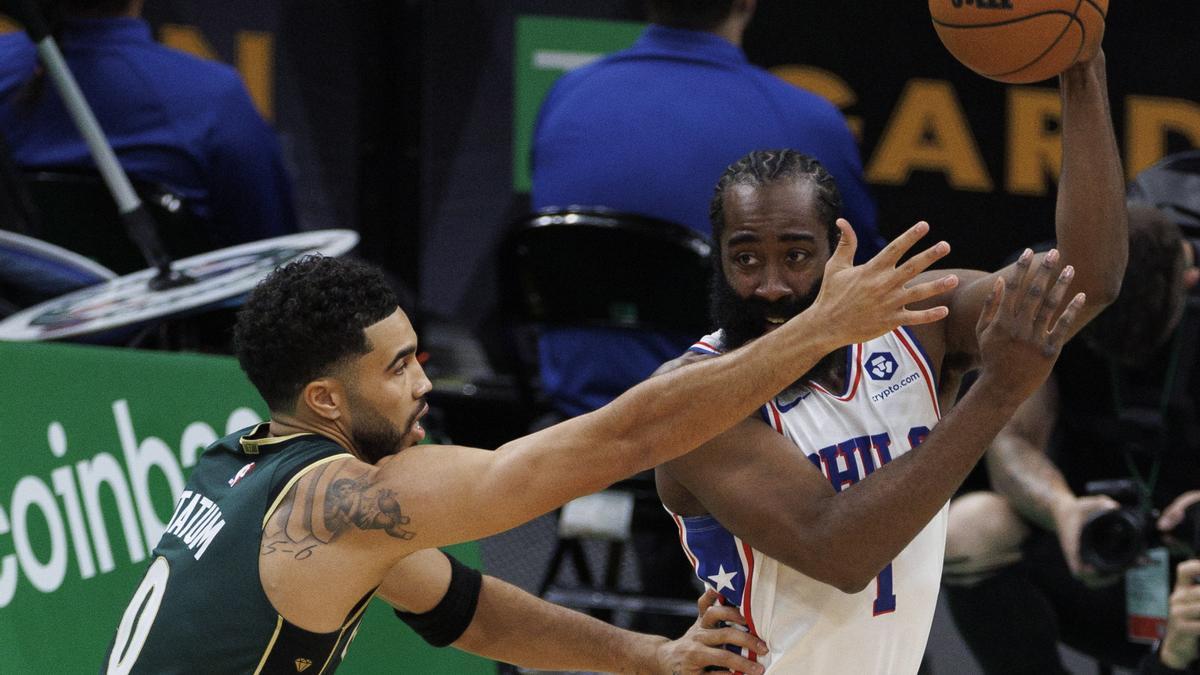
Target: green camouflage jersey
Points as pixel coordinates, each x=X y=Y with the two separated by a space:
x=201 y=607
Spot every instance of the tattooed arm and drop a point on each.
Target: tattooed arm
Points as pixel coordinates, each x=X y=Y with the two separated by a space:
x=330 y=541
x=513 y=626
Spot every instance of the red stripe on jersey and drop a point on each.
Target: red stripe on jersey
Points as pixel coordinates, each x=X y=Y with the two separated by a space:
x=747 y=611
x=775 y=416
x=858 y=349
x=707 y=346
x=683 y=542
x=924 y=371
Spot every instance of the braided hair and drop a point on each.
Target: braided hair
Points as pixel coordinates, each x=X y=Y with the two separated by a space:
x=764 y=167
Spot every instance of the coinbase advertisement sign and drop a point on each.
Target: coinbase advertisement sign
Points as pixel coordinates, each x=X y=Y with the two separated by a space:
x=95 y=447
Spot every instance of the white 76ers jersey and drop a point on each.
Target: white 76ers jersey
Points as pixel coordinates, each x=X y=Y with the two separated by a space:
x=889 y=406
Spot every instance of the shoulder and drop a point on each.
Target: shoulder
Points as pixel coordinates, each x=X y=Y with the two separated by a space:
x=681 y=361
x=190 y=81
x=705 y=348
x=812 y=105
x=14 y=44
x=600 y=75
x=17 y=59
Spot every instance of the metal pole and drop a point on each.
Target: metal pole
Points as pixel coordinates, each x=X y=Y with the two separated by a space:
x=138 y=222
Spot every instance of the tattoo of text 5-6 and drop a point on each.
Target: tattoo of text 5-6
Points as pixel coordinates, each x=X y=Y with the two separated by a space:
x=327 y=507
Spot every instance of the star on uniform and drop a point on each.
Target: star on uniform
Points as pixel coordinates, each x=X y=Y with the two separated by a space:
x=723 y=579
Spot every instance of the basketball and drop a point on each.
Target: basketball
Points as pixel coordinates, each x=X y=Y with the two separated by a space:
x=1019 y=41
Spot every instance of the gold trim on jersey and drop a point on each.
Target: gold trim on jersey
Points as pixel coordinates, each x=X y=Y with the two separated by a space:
x=270 y=645
x=362 y=607
x=299 y=474
x=251 y=442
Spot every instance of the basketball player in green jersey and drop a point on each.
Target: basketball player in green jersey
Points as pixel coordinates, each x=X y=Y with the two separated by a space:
x=286 y=530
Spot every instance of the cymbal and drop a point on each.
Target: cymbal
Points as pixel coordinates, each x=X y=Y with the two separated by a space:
x=40 y=270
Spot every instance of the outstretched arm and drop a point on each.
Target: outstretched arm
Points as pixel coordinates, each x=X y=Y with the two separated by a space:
x=1090 y=217
x=450 y=494
x=513 y=626
x=846 y=538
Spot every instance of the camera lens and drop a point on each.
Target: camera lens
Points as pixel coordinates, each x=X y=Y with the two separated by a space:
x=1111 y=541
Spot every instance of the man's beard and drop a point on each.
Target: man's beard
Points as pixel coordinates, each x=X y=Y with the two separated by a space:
x=744 y=319
x=373 y=435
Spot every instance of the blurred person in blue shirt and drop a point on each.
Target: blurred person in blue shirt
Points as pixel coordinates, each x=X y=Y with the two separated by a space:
x=173 y=119
x=648 y=130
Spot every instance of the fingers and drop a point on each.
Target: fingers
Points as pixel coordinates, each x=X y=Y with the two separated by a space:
x=921 y=261
x=1016 y=279
x=843 y=255
x=1062 y=327
x=923 y=291
x=891 y=254
x=706 y=602
x=1029 y=302
x=727 y=660
x=721 y=613
x=1186 y=573
x=991 y=304
x=1054 y=300
x=1095 y=503
x=718 y=637
x=1173 y=515
x=916 y=317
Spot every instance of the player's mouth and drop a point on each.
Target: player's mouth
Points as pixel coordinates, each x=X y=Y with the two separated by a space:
x=418 y=431
x=773 y=322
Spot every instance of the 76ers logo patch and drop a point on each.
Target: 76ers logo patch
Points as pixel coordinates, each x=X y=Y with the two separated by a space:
x=881 y=365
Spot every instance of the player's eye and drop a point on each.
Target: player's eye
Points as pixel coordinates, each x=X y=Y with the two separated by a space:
x=745 y=259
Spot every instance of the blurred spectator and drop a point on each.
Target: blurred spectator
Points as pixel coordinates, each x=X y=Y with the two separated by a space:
x=1177 y=651
x=172 y=118
x=1121 y=405
x=649 y=130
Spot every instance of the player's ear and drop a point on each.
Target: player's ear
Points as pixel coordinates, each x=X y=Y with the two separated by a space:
x=325 y=397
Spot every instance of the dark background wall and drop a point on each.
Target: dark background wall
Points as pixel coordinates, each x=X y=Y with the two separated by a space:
x=396 y=117
x=876 y=49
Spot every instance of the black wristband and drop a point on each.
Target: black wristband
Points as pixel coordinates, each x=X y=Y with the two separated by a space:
x=445 y=623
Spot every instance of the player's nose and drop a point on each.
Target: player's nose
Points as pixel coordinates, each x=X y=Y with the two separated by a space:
x=422 y=385
x=772 y=287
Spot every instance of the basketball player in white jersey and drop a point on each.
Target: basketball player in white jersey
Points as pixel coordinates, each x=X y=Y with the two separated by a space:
x=821 y=518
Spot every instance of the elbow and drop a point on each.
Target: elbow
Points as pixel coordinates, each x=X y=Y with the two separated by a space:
x=845 y=580
x=1107 y=293
x=851 y=582
x=847 y=573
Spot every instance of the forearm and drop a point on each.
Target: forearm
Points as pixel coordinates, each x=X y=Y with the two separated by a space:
x=1027 y=478
x=867 y=525
x=513 y=626
x=1090 y=218
x=701 y=399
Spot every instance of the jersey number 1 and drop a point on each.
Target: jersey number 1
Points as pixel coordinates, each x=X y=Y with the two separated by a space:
x=885 y=599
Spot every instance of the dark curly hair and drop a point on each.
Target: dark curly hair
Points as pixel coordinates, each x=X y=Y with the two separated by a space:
x=305 y=320
x=762 y=167
x=690 y=14
x=1152 y=295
